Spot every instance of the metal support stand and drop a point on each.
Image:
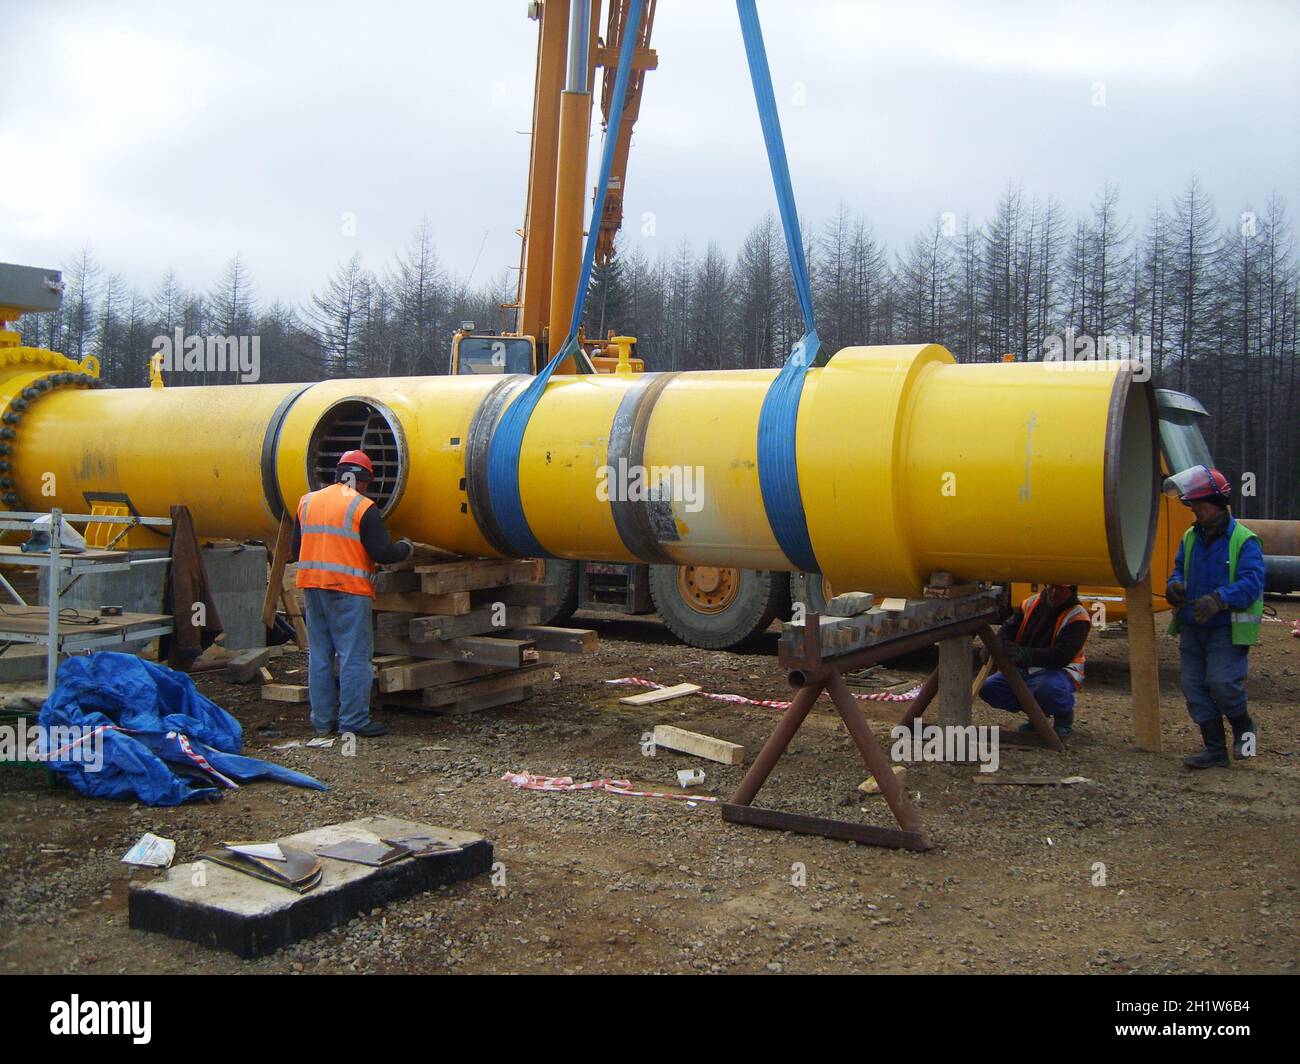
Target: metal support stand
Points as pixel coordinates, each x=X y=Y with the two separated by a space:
x=877 y=638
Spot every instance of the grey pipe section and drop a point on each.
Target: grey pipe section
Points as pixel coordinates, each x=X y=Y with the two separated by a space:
x=1281 y=573
x=579 y=44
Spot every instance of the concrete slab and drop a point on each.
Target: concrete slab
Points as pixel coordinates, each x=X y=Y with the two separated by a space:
x=225 y=909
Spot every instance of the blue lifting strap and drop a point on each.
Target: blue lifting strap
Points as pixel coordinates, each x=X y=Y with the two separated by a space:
x=778 y=470
x=508 y=438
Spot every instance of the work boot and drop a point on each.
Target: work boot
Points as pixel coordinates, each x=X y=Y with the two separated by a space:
x=370 y=730
x=1241 y=727
x=1215 y=754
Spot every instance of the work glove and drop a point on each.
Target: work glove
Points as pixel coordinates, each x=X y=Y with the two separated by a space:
x=1205 y=607
x=410 y=547
x=1017 y=653
x=1176 y=593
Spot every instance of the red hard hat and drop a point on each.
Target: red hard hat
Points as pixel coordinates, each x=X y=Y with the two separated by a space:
x=357 y=458
x=1200 y=484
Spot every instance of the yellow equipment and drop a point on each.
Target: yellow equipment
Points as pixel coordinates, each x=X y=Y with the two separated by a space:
x=1057 y=484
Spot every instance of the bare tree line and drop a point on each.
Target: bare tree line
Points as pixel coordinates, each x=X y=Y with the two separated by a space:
x=1217 y=305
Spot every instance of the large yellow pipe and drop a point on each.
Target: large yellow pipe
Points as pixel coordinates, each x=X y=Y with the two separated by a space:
x=908 y=463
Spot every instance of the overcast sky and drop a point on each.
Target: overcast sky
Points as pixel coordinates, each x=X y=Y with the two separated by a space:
x=175 y=134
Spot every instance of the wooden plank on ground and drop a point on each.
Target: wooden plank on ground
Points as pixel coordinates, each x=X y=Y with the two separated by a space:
x=285 y=692
x=663 y=694
x=705 y=746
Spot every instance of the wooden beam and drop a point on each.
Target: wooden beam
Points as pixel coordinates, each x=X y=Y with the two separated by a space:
x=275 y=580
x=455 y=603
x=486 y=650
x=285 y=692
x=450 y=693
x=705 y=746
x=477 y=573
x=564 y=640
x=417 y=675
x=476 y=622
x=955 y=671
x=1143 y=666
x=244 y=668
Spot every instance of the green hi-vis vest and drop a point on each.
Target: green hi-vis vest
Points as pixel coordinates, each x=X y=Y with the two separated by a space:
x=1245 y=623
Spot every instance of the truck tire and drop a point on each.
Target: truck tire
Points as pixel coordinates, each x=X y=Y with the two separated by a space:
x=812 y=589
x=562 y=574
x=716 y=608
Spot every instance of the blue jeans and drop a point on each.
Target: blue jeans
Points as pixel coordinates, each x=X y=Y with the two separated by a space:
x=1053 y=689
x=1213 y=672
x=339 y=624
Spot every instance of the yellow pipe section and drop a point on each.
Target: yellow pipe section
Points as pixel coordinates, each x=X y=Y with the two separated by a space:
x=908 y=463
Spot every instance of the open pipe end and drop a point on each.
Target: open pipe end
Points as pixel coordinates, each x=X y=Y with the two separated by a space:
x=357 y=423
x=1131 y=478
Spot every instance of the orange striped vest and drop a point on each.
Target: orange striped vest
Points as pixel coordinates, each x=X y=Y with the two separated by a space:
x=332 y=555
x=1078 y=613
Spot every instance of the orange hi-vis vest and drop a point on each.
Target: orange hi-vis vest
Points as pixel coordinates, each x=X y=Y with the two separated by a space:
x=332 y=555
x=1078 y=613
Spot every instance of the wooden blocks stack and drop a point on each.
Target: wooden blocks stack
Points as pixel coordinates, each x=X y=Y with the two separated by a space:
x=459 y=635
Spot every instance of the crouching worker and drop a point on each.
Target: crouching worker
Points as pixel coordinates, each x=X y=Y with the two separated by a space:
x=338 y=537
x=1044 y=638
x=1217 y=591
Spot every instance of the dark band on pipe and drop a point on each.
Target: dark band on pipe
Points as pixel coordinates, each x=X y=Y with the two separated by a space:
x=481 y=427
x=641 y=524
x=270 y=444
x=1115 y=484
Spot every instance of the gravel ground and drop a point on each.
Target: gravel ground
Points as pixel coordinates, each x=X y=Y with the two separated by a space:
x=1200 y=869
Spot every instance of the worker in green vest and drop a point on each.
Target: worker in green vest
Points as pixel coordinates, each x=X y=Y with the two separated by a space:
x=1217 y=591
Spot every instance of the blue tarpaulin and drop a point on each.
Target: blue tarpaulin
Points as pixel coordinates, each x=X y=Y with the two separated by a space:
x=143 y=731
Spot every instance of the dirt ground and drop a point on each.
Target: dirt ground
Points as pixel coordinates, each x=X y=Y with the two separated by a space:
x=1200 y=869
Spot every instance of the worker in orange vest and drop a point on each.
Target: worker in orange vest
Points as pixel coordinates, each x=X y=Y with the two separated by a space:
x=338 y=538
x=1044 y=638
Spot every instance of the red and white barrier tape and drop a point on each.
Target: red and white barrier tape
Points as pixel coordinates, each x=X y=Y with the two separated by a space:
x=528 y=781
x=67 y=748
x=202 y=761
x=769 y=703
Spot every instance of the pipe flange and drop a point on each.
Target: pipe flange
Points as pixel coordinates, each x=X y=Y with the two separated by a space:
x=12 y=416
